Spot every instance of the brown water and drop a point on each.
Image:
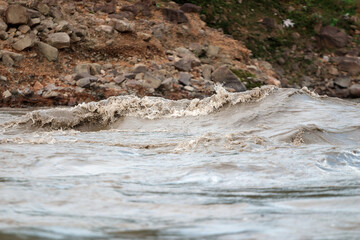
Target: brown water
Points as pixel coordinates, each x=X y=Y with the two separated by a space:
x=266 y=164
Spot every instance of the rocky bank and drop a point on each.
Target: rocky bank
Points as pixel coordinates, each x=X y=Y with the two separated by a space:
x=68 y=52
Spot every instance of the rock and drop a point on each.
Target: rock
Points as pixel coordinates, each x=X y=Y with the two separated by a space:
x=190 y=8
x=17 y=57
x=184 y=64
x=189 y=88
x=184 y=78
x=139 y=68
x=26 y=42
x=173 y=15
x=330 y=36
x=269 y=23
x=83 y=68
x=212 y=51
x=3 y=35
x=81 y=75
x=273 y=81
x=106 y=28
x=63 y=26
x=107 y=66
x=59 y=40
x=95 y=69
x=85 y=82
x=3 y=25
x=6 y=94
x=37 y=86
x=145 y=37
x=24 y=29
x=183 y=52
x=355 y=90
x=206 y=71
x=350 y=65
x=150 y=81
x=43 y=8
x=34 y=21
x=16 y=14
x=123 y=25
x=122 y=15
x=31 y=13
x=48 y=51
x=107 y=8
x=3 y=78
x=333 y=71
x=343 y=82
x=7 y=61
x=225 y=76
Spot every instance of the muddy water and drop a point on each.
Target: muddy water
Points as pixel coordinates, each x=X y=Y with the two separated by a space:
x=266 y=164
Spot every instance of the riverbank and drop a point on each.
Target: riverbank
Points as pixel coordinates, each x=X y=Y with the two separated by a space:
x=70 y=52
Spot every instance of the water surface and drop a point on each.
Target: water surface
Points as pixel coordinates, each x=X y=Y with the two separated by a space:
x=266 y=164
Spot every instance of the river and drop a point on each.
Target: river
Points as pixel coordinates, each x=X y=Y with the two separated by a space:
x=265 y=164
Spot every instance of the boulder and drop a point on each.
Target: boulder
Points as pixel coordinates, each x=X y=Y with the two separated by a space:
x=59 y=40
x=51 y=53
x=225 y=76
x=16 y=14
x=139 y=68
x=7 y=61
x=83 y=68
x=350 y=65
x=173 y=15
x=184 y=78
x=343 y=82
x=212 y=51
x=184 y=64
x=85 y=82
x=355 y=90
x=150 y=81
x=122 y=25
x=3 y=25
x=26 y=42
x=206 y=71
x=330 y=36
x=190 y=8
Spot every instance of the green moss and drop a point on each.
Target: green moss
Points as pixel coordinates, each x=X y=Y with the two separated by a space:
x=247 y=78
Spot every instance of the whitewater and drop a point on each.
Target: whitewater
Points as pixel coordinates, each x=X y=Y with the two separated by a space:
x=268 y=163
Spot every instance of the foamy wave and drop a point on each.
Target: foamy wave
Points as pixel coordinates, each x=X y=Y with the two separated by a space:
x=107 y=111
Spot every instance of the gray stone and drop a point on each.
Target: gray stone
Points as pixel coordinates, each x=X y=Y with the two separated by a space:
x=33 y=13
x=63 y=26
x=3 y=35
x=184 y=78
x=95 y=69
x=107 y=66
x=43 y=8
x=83 y=68
x=7 y=61
x=17 y=57
x=150 y=81
x=106 y=28
x=59 y=40
x=24 y=29
x=225 y=76
x=350 y=65
x=3 y=25
x=26 y=42
x=212 y=51
x=343 y=82
x=122 y=25
x=34 y=21
x=130 y=75
x=16 y=14
x=81 y=75
x=183 y=52
x=184 y=64
x=355 y=90
x=85 y=82
x=332 y=37
x=189 y=88
x=3 y=78
x=139 y=68
x=206 y=71
x=6 y=94
x=48 y=51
